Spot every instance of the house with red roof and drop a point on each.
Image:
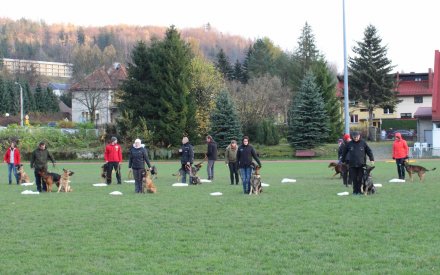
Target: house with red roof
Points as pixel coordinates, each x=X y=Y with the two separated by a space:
x=94 y=97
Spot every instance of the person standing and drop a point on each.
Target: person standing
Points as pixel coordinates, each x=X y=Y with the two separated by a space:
x=245 y=154
x=39 y=159
x=355 y=155
x=211 y=155
x=137 y=160
x=231 y=161
x=12 y=158
x=186 y=158
x=113 y=159
x=346 y=180
x=400 y=154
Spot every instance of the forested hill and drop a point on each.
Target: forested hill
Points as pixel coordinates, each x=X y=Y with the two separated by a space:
x=95 y=46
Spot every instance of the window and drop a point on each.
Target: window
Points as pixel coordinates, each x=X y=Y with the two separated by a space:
x=354 y=119
x=405 y=115
x=418 y=99
x=364 y=110
x=388 y=110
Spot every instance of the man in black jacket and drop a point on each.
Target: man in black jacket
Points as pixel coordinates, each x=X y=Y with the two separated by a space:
x=186 y=158
x=211 y=155
x=356 y=151
x=39 y=159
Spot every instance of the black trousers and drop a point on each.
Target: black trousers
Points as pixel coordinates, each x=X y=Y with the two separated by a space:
x=233 y=172
x=401 y=168
x=356 y=177
x=41 y=185
x=110 y=167
x=345 y=176
x=137 y=175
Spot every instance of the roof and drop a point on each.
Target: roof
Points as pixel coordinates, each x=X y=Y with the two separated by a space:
x=102 y=79
x=64 y=108
x=59 y=86
x=413 y=88
x=423 y=112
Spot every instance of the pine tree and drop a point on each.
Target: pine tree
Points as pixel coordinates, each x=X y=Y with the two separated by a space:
x=40 y=99
x=158 y=88
x=52 y=101
x=306 y=53
x=29 y=100
x=370 y=78
x=225 y=125
x=308 y=122
x=222 y=64
x=237 y=73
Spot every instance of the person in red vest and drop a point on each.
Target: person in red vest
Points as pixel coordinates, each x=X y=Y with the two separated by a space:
x=12 y=158
x=400 y=154
x=113 y=159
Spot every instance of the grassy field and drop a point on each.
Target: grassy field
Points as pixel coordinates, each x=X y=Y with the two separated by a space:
x=296 y=228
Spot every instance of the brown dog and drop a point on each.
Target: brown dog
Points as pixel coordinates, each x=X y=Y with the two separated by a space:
x=147 y=182
x=64 y=185
x=22 y=176
x=256 y=187
x=416 y=169
x=339 y=168
x=192 y=170
x=49 y=179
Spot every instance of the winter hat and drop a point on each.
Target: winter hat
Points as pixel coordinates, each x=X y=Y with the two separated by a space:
x=355 y=134
x=185 y=140
x=346 y=137
x=114 y=139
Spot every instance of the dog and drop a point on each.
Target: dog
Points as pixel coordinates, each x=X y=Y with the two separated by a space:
x=367 y=185
x=22 y=176
x=192 y=170
x=147 y=182
x=339 y=168
x=416 y=169
x=153 y=171
x=104 y=169
x=49 y=179
x=256 y=187
x=64 y=185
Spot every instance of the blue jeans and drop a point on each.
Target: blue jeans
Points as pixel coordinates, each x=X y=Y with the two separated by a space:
x=12 y=167
x=210 y=169
x=245 y=174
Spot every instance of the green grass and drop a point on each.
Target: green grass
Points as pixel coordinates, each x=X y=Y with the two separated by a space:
x=296 y=228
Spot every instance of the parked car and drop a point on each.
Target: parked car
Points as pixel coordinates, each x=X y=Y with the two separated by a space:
x=406 y=134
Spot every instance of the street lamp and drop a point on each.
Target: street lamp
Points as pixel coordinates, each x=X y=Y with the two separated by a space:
x=21 y=103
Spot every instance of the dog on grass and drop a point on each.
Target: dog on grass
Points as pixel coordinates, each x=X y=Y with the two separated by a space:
x=416 y=169
x=192 y=171
x=104 y=169
x=64 y=185
x=256 y=187
x=49 y=179
x=338 y=167
x=147 y=182
x=22 y=176
x=367 y=185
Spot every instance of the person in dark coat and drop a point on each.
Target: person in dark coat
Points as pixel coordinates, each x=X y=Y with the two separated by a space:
x=136 y=162
x=186 y=158
x=211 y=154
x=355 y=155
x=39 y=159
x=245 y=154
x=346 y=180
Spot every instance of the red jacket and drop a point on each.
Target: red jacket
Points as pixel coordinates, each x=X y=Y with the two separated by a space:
x=7 y=157
x=113 y=153
x=400 y=148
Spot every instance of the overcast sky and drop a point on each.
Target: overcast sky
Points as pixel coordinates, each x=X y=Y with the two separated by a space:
x=410 y=29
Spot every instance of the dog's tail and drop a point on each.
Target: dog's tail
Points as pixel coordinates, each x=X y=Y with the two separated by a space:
x=432 y=169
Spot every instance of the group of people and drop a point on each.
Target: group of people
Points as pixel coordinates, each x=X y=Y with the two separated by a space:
x=237 y=158
x=353 y=152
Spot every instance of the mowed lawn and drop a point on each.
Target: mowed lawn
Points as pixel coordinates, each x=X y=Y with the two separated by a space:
x=291 y=228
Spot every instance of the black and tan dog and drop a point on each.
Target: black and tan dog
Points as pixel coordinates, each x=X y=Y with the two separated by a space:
x=192 y=170
x=416 y=169
x=367 y=186
x=104 y=169
x=255 y=183
x=147 y=182
x=64 y=185
x=339 y=168
x=49 y=179
x=22 y=176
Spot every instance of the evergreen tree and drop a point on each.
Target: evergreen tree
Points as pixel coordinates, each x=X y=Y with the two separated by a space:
x=245 y=67
x=225 y=125
x=40 y=99
x=306 y=53
x=52 y=101
x=2 y=91
x=237 y=73
x=28 y=99
x=222 y=64
x=158 y=88
x=11 y=98
x=370 y=78
x=327 y=81
x=308 y=122
x=261 y=60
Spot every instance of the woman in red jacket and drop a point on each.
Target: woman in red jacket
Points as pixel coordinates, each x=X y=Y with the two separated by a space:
x=400 y=154
x=12 y=158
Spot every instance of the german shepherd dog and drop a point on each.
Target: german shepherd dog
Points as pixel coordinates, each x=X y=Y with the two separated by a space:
x=49 y=179
x=22 y=176
x=256 y=187
x=367 y=185
x=104 y=171
x=192 y=170
x=339 y=168
x=416 y=169
x=64 y=185
x=153 y=172
x=147 y=182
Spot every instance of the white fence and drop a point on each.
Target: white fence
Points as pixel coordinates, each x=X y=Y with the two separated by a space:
x=423 y=150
